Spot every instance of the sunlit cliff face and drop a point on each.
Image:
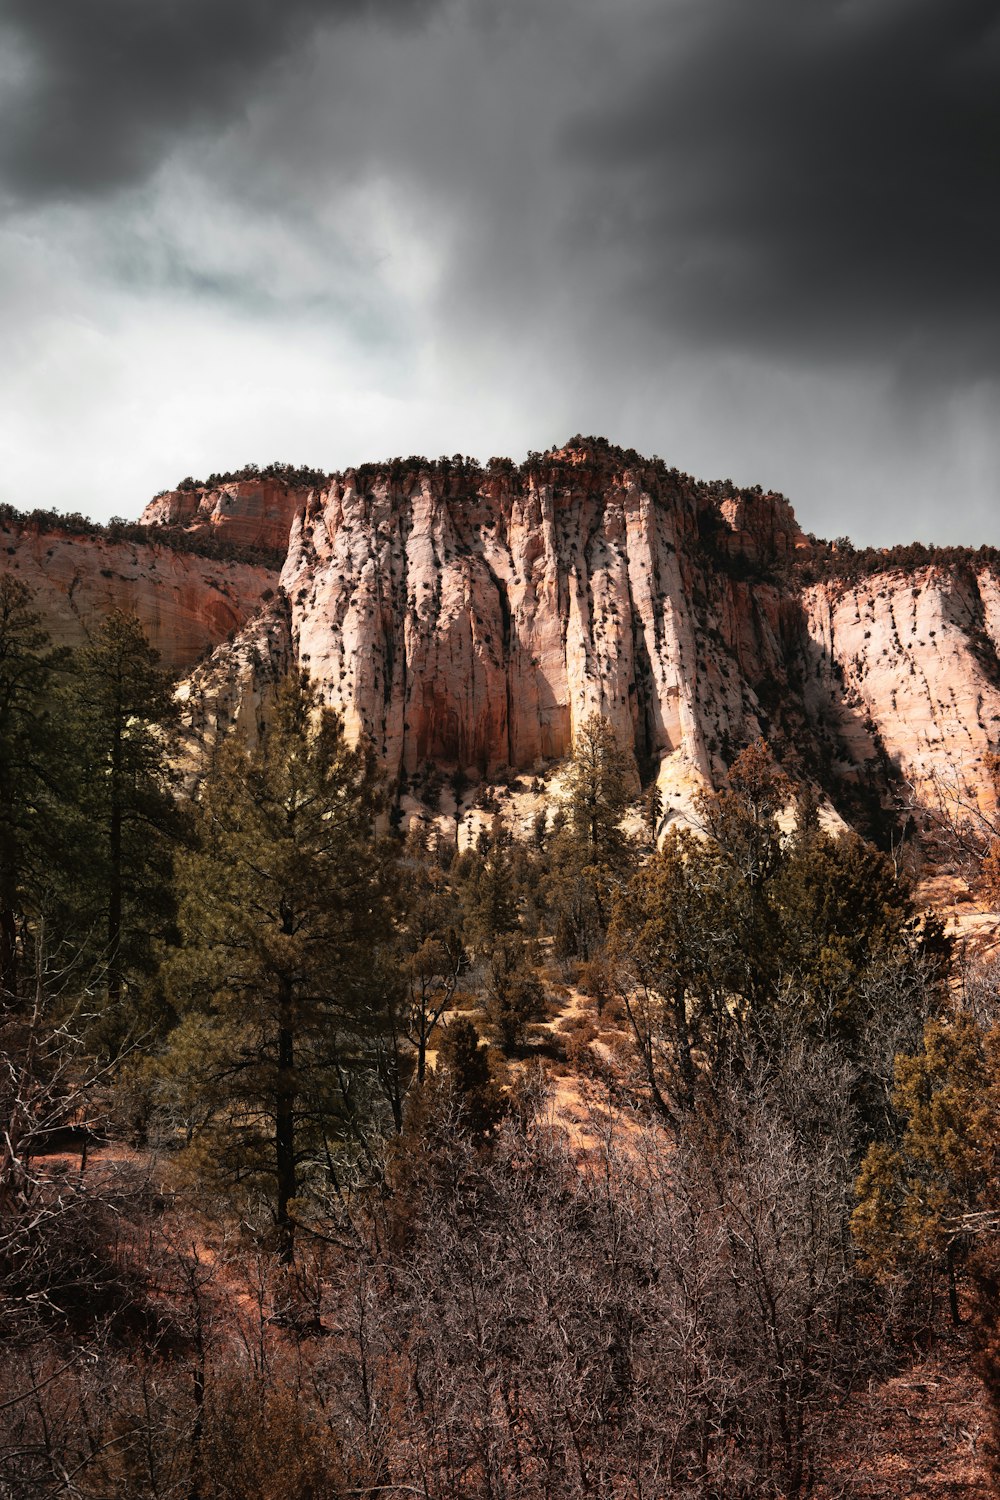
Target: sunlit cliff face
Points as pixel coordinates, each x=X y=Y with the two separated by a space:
x=475 y=617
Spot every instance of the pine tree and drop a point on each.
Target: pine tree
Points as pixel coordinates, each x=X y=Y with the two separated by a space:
x=589 y=854
x=599 y=777
x=514 y=995
x=743 y=819
x=491 y=895
x=918 y=1200
x=675 y=957
x=31 y=766
x=121 y=702
x=284 y=918
x=749 y=938
x=432 y=956
x=840 y=907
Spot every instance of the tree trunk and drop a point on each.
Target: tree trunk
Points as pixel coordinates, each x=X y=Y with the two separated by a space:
x=115 y=869
x=8 y=952
x=284 y=1130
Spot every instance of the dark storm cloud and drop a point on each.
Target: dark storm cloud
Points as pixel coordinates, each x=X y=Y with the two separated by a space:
x=760 y=238
x=105 y=88
x=821 y=176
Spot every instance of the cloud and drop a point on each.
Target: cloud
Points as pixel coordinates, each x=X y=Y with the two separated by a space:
x=815 y=179
x=759 y=240
x=103 y=90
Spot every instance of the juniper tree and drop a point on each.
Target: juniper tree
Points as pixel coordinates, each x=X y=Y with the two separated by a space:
x=921 y=1198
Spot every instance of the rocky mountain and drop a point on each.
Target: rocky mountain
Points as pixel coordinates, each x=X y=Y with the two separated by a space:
x=473 y=617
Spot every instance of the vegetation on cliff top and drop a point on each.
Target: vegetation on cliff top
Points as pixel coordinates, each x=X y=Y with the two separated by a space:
x=292 y=476
x=176 y=538
x=842 y=561
x=582 y=461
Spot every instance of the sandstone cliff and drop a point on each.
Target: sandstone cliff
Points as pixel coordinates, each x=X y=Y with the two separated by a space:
x=255 y=511
x=905 y=665
x=474 y=617
x=187 y=604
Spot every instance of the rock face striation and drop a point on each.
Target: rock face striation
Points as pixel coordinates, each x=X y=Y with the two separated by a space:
x=906 y=662
x=474 y=617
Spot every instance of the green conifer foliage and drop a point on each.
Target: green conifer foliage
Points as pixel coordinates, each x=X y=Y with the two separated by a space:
x=599 y=778
x=31 y=760
x=750 y=937
x=676 y=959
x=491 y=893
x=841 y=906
x=590 y=855
x=121 y=702
x=918 y=1200
x=284 y=919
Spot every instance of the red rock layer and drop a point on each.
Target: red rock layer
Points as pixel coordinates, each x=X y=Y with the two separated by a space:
x=187 y=604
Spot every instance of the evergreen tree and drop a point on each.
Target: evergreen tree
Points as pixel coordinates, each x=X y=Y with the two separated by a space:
x=464 y=1078
x=284 y=916
x=840 y=906
x=121 y=701
x=514 y=995
x=32 y=754
x=599 y=778
x=432 y=956
x=676 y=959
x=751 y=939
x=491 y=896
x=743 y=819
x=918 y=1199
x=589 y=854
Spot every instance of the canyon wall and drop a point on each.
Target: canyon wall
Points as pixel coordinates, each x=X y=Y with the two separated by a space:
x=906 y=662
x=187 y=604
x=474 y=617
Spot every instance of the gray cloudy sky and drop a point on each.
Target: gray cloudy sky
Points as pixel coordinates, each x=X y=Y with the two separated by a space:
x=761 y=240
